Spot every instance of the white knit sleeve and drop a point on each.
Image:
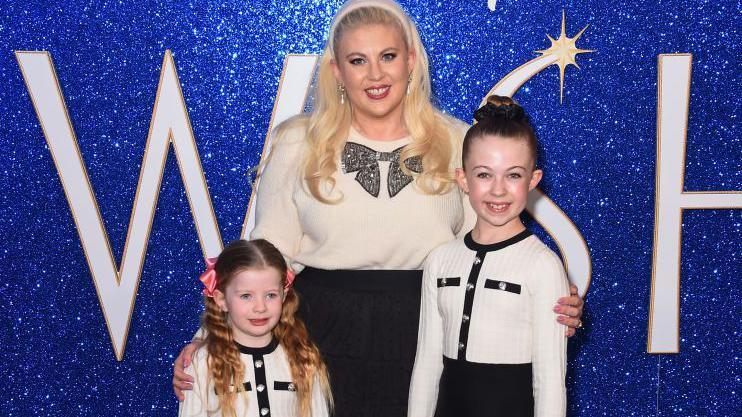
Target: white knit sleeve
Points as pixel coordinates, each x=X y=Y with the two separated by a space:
x=196 y=403
x=276 y=215
x=429 y=357
x=548 y=283
x=319 y=402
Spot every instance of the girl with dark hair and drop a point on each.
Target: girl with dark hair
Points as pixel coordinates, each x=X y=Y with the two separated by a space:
x=257 y=358
x=487 y=341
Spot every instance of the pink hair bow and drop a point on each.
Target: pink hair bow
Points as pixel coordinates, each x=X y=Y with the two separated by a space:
x=208 y=277
x=290 y=275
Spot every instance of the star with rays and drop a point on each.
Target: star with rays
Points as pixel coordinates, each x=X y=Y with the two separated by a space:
x=565 y=50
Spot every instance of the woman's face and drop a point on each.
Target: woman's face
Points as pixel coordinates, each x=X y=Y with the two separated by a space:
x=373 y=63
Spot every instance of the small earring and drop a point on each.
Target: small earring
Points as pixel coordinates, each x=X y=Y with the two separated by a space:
x=409 y=84
x=341 y=92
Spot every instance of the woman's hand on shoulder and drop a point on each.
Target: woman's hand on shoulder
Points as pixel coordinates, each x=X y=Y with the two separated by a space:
x=181 y=380
x=570 y=310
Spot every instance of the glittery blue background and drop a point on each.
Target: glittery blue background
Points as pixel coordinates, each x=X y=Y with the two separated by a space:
x=56 y=356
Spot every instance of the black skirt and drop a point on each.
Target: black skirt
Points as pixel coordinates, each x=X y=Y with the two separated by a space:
x=365 y=324
x=469 y=389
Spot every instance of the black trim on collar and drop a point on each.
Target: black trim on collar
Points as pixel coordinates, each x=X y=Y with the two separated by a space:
x=258 y=351
x=478 y=247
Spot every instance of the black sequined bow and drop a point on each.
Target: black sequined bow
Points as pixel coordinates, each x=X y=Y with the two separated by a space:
x=365 y=160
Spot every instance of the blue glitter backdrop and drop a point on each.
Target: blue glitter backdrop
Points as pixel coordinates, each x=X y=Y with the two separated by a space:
x=57 y=358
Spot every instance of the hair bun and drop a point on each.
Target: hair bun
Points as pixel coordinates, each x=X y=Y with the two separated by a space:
x=500 y=106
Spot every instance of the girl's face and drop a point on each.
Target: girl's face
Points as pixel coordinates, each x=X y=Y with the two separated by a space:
x=498 y=176
x=253 y=299
x=373 y=63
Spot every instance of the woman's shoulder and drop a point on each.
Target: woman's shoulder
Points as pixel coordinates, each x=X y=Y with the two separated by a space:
x=456 y=132
x=291 y=132
x=457 y=128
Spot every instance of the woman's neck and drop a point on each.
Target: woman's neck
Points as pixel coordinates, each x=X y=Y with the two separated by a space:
x=381 y=129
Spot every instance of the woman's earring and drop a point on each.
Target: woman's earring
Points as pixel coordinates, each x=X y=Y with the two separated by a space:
x=409 y=84
x=341 y=92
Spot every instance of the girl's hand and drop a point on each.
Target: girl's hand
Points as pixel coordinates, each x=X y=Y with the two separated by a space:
x=181 y=380
x=570 y=309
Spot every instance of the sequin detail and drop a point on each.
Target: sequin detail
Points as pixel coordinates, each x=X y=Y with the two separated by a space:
x=365 y=161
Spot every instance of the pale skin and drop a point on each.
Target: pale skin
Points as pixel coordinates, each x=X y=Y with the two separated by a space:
x=253 y=300
x=374 y=63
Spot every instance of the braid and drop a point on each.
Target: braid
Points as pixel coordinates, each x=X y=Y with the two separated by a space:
x=224 y=358
x=305 y=361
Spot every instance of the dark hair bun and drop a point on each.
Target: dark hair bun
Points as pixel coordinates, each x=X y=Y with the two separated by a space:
x=500 y=107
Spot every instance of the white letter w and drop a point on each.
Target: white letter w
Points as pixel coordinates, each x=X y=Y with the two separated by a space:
x=170 y=123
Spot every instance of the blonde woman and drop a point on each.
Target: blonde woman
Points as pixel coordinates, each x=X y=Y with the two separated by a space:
x=355 y=195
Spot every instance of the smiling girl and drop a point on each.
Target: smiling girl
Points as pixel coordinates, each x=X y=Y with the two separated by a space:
x=487 y=342
x=257 y=359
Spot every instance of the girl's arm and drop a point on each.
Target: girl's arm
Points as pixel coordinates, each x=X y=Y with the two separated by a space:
x=195 y=401
x=429 y=358
x=548 y=282
x=319 y=402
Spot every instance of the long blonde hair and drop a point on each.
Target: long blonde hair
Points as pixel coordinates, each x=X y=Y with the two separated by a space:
x=225 y=367
x=328 y=124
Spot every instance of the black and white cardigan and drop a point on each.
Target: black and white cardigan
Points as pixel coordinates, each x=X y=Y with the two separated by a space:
x=268 y=385
x=492 y=304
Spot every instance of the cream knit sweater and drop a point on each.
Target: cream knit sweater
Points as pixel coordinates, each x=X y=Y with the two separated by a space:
x=362 y=231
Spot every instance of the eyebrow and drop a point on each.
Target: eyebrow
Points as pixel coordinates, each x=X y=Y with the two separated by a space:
x=252 y=291
x=490 y=169
x=361 y=54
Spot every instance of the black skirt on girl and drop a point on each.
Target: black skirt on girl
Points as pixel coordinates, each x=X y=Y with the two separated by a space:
x=365 y=324
x=469 y=389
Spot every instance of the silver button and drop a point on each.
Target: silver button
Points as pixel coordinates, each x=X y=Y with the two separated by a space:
x=264 y=411
x=477 y=261
x=261 y=387
x=258 y=363
x=466 y=318
x=292 y=387
x=502 y=285
x=443 y=281
x=461 y=345
x=469 y=286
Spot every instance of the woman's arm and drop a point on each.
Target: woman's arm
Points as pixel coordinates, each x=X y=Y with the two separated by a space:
x=570 y=309
x=428 y=359
x=548 y=281
x=276 y=214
